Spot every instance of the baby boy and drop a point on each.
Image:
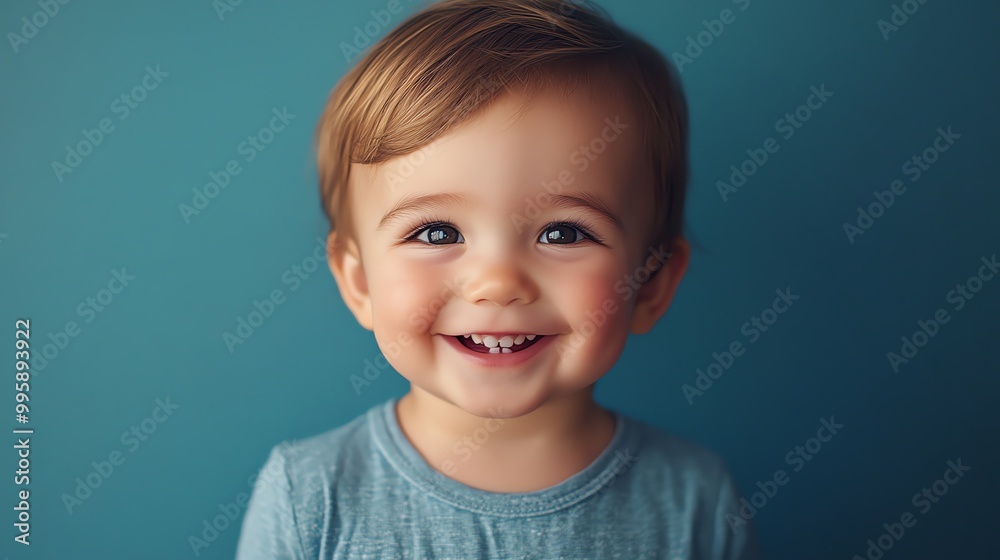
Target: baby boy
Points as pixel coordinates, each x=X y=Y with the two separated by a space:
x=505 y=185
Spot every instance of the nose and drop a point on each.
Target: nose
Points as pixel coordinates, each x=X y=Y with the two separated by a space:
x=501 y=282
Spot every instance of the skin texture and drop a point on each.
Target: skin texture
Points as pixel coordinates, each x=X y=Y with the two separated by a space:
x=501 y=278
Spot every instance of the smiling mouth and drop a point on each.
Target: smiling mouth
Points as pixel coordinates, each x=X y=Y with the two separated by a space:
x=508 y=344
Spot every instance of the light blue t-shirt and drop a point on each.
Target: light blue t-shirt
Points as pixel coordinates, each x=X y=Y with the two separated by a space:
x=363 y=491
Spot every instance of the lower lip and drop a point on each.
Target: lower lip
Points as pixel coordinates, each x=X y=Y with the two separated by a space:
x=501 y=359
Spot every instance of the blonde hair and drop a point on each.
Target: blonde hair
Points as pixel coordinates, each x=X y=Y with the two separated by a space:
x=448 y=62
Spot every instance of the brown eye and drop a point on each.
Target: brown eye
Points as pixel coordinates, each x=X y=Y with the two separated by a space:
x=561 y=234
x=439 y=234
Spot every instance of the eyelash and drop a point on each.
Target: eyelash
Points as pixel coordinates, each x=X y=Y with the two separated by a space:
x=584 y=227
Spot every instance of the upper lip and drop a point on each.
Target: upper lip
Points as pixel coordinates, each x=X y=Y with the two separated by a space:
x=498 y=333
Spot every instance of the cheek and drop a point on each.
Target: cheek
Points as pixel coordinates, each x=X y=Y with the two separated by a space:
x=592 y=305
x=403 y=308
x=592 y=286
x=405 y=298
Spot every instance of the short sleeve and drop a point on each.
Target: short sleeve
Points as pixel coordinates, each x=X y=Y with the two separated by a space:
x=270 y=530
x=735 y=536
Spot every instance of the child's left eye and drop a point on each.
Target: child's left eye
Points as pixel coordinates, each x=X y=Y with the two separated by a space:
x=565 y=233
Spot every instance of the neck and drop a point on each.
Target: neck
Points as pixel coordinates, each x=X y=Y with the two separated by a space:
x=557 y=420
x=529 y=452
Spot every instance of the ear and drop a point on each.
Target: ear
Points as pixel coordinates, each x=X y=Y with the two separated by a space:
x=344 y=258
x=655 y=295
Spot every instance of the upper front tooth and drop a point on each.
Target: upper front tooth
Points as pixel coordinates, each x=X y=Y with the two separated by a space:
x=507 y=342
x=477 y=339
x=490 y=341
x=530 y=337
x=519 y=339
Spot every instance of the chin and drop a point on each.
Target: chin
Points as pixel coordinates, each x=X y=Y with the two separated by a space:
x=490 y=406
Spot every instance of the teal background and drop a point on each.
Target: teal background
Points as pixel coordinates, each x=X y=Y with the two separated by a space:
x=162 y=336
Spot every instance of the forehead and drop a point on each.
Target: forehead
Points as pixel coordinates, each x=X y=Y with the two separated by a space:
x=585 y=139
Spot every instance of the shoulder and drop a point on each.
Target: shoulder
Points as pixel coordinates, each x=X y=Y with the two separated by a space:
x=322 y=458
x=304 y=463
x=291 y=508
x=699 y=489
x=680 y=460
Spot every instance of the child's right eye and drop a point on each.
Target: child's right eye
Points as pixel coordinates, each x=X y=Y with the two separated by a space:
x=436 y=234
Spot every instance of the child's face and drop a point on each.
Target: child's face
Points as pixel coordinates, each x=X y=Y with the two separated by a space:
x=498 y=262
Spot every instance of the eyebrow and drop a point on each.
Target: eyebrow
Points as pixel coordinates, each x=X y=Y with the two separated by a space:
x=589 y=201
x=412 y=204
x=416 y=203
